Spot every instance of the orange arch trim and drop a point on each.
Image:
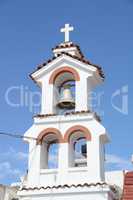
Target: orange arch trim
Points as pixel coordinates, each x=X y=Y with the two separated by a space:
x=62 y=70
x=73 y=129
x=47 y=131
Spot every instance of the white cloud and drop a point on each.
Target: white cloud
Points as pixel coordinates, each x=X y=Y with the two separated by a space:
x=14 y=154
x=118 y=162
x=21 y=155
x=4 y=165
x=7 y=170
x=8 y=164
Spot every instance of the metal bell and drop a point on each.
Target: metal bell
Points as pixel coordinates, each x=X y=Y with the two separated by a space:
x=66 y=100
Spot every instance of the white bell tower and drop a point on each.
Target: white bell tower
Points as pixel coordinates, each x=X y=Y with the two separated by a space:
x=66 y=158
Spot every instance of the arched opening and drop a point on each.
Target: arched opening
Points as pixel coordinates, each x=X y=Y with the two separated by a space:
x=49 y=152
x=64 y=93
x=77 y=137
x=77 y=149
x=49 y=139
x=63 y=80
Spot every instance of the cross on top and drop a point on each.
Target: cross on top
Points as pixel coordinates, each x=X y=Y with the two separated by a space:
x=66 y=30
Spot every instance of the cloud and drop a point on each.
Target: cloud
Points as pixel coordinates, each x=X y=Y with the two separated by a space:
x=14 y=154
x=118 y=162
x=21 y=155
x=7 y=170
x=12 y=164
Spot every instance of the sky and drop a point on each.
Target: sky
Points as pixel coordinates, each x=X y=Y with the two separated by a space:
x=28 y=32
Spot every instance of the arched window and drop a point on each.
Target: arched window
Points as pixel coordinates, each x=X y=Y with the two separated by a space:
x=77 y=150
x=63 y=80
x=49 y=152
x=64 y=93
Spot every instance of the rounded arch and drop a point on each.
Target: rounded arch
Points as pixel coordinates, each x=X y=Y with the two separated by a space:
x=73 y=129
x=62 y=70
x=47 y=131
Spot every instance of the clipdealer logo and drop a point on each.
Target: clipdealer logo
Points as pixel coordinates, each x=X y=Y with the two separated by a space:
x=21 y=96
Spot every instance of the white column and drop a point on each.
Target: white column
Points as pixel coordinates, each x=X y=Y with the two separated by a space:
x=44 y=156
x=63 y=156
x=81 y=95
x=71 y=154
x=89 y=93
x=63 y=162
x=34 y=164
x=93 y=160
x=47 y=99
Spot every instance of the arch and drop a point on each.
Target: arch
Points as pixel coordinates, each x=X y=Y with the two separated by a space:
x=73 y=129
x=62 y=70
x=47 y=131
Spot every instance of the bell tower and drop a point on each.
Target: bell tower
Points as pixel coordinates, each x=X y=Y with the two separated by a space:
x=66 y=156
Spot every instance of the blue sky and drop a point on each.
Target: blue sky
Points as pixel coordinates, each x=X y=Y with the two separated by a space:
x=28 y=31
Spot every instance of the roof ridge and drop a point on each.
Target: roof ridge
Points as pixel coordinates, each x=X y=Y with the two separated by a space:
x=74 y=57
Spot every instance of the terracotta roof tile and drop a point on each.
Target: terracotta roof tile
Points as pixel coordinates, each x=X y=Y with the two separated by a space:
x=128 y=186
x=67 y=45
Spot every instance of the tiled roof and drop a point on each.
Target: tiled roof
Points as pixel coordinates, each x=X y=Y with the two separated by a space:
x=66 y=186
x=68 y=45
x=128 y=186
x=82 y=59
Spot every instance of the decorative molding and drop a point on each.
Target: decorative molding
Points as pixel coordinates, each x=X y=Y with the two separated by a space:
x=67 y=135
x=66 y=186
x=62 y=70
x=47 y=131
x=73 y=129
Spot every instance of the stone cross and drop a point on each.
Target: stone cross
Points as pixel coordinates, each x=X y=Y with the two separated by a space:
x=66 y=30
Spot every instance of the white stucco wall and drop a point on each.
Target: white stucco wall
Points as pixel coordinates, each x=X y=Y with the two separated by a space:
x=115 y=178
x=94 y=172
